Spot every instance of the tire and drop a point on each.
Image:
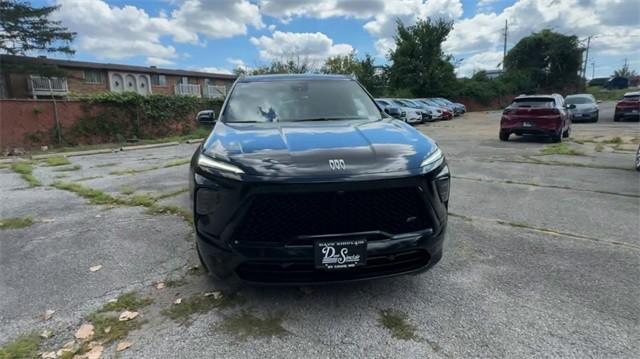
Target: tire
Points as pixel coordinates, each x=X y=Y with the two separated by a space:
x=504 y=136
x=566 y=133
x=638 y=159
x=616 y=118
x=597 y=117
x=557 y=137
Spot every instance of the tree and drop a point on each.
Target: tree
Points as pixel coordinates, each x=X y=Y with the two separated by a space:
x=545 y=60
x=624 y=71
x=24 y=28
x=364 y=70
x=419 y=63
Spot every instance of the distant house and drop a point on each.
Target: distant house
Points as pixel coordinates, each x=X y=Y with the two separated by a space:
x=84 y=78
x=493 y=74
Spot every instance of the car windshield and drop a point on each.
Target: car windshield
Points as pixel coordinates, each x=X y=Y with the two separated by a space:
x=545 y=102
x=632 y=98
x=299 y=100
x=578 y=100
x=383 y=103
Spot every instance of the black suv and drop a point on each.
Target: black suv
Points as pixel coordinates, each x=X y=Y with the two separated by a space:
x=305 y=179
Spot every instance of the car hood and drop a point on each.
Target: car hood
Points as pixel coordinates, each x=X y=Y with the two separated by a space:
x=305 y=149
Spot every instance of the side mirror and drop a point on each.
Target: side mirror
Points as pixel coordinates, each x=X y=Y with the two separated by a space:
x=571 y=107
x=386 y=110
x=599 y=101
x=206 y=117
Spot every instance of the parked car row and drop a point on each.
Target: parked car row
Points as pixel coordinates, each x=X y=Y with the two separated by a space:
x=420 y=110
x=552 y=115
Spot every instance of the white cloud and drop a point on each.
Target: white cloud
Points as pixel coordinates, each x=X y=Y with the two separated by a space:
x=237 y=63
x=156 y=61
x=305 y=46
x=215 y=70
x=481 y=61
x=107 y=31
x=608 y=20
x=287 y=9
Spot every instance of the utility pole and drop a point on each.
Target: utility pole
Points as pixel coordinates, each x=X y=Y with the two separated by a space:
x=593 y=70
x=586 y=58
x=504 y=50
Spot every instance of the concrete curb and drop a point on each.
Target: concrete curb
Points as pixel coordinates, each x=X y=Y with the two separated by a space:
x=100 y=151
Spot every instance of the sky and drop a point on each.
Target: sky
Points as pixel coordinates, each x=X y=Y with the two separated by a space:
x=220 y=35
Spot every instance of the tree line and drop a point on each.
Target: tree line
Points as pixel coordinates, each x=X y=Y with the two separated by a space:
x=418 y=66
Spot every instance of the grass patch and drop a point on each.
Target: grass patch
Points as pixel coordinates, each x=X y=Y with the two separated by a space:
x=58 y=161
x=94 y=196
x=176 y=163
x=132 y=171
x=108 y=328
x=128 y=301
x=15 y=223
x=244 y=325
x=101 y=165
x=24 y=346
x=127 y=190
x=561 y=149
x=603 y=94
x=143 y=199
x=515 y=224
x=614 y=141
x=25 y=169
x=68 y=169
x=397 y=324
x=199 y=304
x=599 y=147
x=87 y=178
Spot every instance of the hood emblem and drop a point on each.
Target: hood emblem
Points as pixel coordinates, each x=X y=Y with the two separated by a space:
x=337 y=164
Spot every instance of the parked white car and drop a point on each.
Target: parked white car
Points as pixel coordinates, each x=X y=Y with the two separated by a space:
x=413 y=115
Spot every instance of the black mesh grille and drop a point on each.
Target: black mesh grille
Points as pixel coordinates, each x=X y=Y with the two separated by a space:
x=282 y=217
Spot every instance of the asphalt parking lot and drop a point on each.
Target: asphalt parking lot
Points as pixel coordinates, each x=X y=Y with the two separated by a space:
x=542 y=259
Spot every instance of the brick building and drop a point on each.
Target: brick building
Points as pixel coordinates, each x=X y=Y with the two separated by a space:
x=77 y=78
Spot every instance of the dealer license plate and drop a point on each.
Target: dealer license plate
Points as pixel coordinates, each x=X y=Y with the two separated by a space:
x=527 y=124
x=336 y=254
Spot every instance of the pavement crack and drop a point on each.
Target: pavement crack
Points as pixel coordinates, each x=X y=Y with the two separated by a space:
x=520 y=183
x=550 y=231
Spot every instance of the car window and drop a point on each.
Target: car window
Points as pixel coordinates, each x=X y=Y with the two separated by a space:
x=383 y=103
x=296 y=100
x=632 y=98
x=543 y=102
x=579 y=100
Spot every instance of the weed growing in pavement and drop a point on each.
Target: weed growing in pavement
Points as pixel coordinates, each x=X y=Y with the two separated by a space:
x=15 y=223
x=58 y=161
x=561 y=149
x=144 y=200
x=24 y=346
x=68 y=169
x=599 y=147
x=108 y=328
x=244 y=325
x=176 y=163
x=131 y=171
x=128 y=301
x=25 y=169
x=199 y=304
x=397 y=323
x=127 y=190
x=85 y=178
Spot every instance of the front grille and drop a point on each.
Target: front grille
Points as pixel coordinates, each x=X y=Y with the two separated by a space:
x=301 y=272
x=281 y=218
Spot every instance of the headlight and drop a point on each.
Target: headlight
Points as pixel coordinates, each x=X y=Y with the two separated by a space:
x=208 y=162
x=433 y=159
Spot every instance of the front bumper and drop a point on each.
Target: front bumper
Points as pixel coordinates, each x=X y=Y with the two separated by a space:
x=231 y=248
x=589 y=116
x=627 y=115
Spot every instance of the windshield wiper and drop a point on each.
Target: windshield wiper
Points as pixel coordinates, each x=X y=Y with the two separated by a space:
x=324 y=119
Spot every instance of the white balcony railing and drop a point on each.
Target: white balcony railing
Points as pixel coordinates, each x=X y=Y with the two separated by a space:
x=48 y=86
x=188 y=90
x=214 y=91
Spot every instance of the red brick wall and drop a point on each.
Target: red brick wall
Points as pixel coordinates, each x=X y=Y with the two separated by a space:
x=20 y=118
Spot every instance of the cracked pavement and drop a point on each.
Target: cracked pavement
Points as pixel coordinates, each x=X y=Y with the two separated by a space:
x=541 y=260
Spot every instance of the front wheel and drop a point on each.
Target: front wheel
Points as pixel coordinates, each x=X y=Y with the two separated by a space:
x=557 y=137
x=566 y=133
x=504 y=136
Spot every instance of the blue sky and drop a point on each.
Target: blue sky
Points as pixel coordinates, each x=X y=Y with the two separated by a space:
x=219 y=35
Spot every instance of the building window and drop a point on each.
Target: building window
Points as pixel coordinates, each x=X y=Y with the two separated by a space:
x=93 y=77
x=158 y=80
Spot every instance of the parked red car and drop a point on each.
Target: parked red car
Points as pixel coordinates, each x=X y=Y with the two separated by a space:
x=629 y=107
x=537 y=115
